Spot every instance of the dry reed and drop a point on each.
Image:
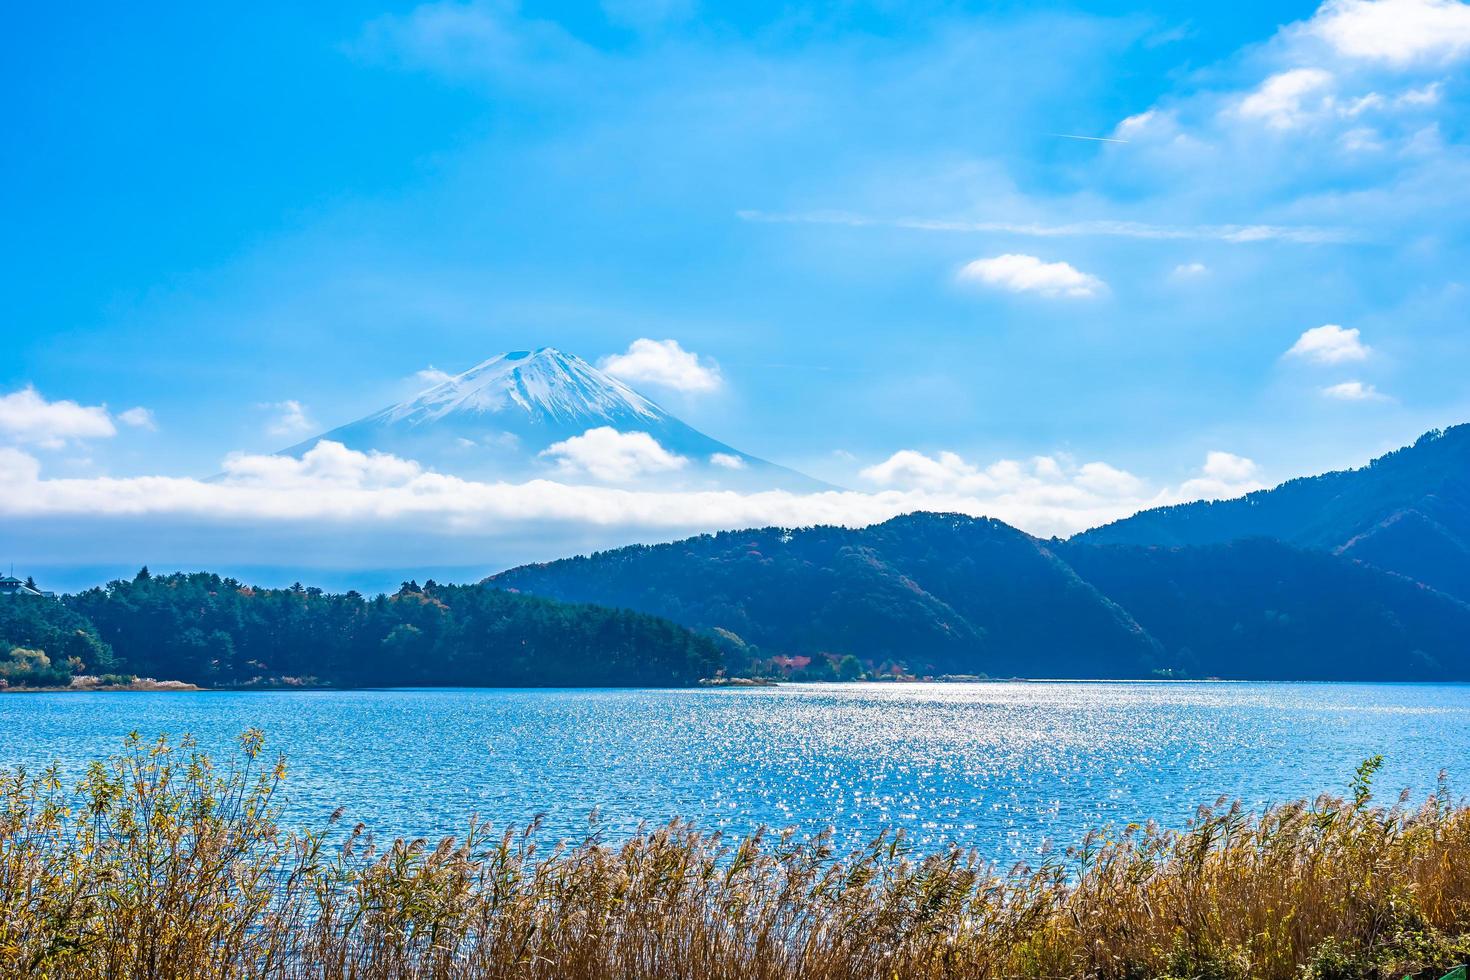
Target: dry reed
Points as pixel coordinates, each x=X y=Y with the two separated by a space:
x=161 y=865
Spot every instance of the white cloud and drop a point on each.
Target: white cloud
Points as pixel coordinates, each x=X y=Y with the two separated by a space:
x=1229 y=467
x=912 y=469
x=501 y=440
x=1107 y=480
x=139 y=418
x=1361 y=139
x=1224 y=475
x=1008 y=484
x=727 y=461
x=285 y=509
x=432 y=376
x=665 y=364
x=1071 y=496
x=1409 y=99
x=1354 y=391
x=1330 y=344
x=1289 y=98
x=17 y=467
x=1029 y=274
x=27 y=417
x=1299 y=96
x=327 y=464
x=1396 y=32
x=290 y=419
x=1426 y=96
x=1190 y=270
x=1141 y=122
x=606 y=454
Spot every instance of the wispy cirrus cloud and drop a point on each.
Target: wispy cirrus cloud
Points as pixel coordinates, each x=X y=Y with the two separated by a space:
x=288 y=418
x=1095 y=228
x=1354 y=391
x=139 y=418
x=1338 y=121
x=477 y=39
x=432 y=376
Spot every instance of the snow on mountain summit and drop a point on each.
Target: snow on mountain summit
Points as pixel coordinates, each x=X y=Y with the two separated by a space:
x=546 y=414
x=545 y=384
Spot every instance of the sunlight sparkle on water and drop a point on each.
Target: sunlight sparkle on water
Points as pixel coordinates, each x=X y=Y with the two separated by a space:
x=1003 y=767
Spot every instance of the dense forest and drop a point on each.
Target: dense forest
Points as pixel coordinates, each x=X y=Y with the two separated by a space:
x=1263 y=609
x=43 y=643
x=946 y=593
x=942 y=593
x=215 y=631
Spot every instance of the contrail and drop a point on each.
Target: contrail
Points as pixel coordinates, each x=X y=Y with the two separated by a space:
x=1095 y=139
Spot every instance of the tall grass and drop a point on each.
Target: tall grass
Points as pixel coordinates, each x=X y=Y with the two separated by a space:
x=160 y=864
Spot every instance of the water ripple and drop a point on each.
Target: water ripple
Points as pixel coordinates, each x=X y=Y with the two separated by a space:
x=1002 y=767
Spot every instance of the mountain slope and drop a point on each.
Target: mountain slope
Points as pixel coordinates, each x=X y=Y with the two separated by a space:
x=1262 y=609
x=1407 y=511
x=948 y=593
x=503 y=418
x=937 y=591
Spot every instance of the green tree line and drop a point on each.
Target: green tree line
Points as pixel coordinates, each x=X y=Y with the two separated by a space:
x=205 y=629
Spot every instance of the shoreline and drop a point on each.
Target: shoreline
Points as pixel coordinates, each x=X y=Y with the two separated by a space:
x=145 y=686
x=179 y=687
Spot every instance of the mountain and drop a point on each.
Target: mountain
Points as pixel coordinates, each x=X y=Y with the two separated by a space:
x=1406 y=512
x=1262 y=609
x=948 y=593
x=937 y=591
x=510 y=418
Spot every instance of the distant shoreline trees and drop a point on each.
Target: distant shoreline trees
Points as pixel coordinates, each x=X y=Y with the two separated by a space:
x=204 y=629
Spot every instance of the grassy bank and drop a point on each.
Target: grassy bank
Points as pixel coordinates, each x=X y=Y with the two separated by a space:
x=161 y=864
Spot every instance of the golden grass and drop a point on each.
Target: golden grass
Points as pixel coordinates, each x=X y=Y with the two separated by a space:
x=161 y=865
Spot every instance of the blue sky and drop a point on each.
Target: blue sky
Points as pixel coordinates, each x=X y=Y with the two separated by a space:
x=869 y=219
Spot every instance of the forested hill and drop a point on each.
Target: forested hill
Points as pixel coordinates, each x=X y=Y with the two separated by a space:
x=1262 y=609
x=949 y=593
x=940 y=591
x=1407 y=512
x=209 y=630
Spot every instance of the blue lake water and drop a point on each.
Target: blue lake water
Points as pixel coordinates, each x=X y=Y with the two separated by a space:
x=1002 y=767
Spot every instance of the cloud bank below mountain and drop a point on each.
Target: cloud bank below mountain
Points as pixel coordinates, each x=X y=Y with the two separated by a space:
x=341 y=506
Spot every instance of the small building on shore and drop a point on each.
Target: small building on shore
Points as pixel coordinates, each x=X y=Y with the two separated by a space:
x=10 y=585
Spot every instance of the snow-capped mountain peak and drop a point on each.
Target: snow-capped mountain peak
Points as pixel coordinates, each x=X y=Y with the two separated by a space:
x=546 y=384
x=546 y=414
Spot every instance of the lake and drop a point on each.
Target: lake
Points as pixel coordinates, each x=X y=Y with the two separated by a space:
x=1002 y=767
